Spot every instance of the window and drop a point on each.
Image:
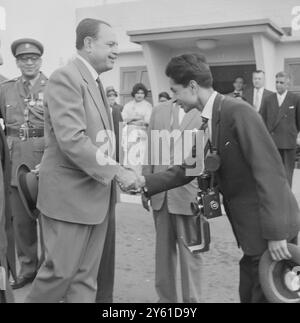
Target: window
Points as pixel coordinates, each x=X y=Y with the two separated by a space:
x=292 y=66
x=129 y=77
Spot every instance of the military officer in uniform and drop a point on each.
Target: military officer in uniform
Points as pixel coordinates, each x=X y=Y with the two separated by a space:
x=21 y=104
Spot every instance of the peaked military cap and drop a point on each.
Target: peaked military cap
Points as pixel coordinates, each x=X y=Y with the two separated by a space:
x=27 y=46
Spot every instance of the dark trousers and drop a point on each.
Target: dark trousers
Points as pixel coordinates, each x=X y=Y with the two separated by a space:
x=250 y=288
x=106 y=272
x=288 y=157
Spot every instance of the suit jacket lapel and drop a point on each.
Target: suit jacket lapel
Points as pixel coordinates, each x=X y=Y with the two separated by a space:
x=187 y=121
x=281 y=110
x=94 y=92
x=215 y=118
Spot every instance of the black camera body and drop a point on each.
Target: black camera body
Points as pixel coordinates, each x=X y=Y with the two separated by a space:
x=207 y=206
x=208 y=199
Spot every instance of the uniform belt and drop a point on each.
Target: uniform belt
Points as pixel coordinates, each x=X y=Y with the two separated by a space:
x=24 y=133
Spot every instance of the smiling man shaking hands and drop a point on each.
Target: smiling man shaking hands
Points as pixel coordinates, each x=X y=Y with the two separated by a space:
x=76 y=194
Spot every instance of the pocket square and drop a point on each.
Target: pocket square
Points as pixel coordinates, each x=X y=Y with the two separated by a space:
x=291 y=107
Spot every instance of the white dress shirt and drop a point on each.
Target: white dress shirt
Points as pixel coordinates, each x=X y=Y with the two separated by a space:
x=95 y=75
x=281 y=98
x=258 y=93
x=208 y=110
x=181 y=115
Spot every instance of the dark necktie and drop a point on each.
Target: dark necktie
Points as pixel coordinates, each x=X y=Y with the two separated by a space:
x=204 y=127
x=102 y=93
x=26 y=86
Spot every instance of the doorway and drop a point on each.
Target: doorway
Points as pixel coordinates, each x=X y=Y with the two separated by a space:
x=225 y=75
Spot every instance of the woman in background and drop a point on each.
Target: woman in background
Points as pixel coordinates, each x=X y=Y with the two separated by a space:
x=164 y=97
x=136 y=115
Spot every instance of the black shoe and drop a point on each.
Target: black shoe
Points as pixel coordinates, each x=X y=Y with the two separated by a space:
x=22 y=281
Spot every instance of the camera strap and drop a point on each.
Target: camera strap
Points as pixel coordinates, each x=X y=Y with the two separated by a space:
x=215 y=144
x=213 y=160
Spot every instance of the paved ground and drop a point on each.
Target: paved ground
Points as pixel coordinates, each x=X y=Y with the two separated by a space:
x=135 y=258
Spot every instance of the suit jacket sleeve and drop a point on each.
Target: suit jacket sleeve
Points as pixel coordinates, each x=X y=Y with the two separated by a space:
x=65 y=103
x=268 y=172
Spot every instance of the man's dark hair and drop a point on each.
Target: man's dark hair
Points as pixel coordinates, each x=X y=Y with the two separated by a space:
x=185 y=68
x=164 y=95
x=138 y=87
x=88 y=28
x=239 y=77
x=283 y=74
x=258 y=72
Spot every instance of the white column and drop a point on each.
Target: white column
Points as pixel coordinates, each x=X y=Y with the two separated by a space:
x=157 y=58
x=265 y=56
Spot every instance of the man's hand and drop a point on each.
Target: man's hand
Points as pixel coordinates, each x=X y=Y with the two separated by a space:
x=129 y=180
x=279 y=250
x=36 y=170
x=145 y=202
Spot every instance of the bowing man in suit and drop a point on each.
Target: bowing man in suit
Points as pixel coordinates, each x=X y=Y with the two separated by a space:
x=281 y=113
x=174 y=223
x=76 y=181
x=256 y=95
x=258 y=200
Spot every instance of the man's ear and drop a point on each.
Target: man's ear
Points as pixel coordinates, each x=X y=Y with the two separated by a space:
x=18 y=63
x=88 y=44
x=193 y=85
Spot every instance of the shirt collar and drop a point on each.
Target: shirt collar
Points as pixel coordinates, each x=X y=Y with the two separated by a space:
x=283 y=95
x=33 y=81
x=95 y=75
x=259 y=90
x=208 y=109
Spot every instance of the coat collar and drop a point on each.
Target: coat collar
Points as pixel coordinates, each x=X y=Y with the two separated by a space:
x=281 y=110
x=94 y=92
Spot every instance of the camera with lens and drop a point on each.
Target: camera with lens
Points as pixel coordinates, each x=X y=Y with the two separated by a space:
x=208 y=198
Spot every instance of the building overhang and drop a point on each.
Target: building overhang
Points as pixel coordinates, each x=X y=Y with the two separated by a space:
x=211 y=31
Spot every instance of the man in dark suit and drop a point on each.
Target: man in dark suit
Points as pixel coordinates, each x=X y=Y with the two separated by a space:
x=258 y=200
x=256 y=95
x=281 y=113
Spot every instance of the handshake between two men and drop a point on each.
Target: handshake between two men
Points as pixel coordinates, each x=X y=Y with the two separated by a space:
x=129 y=180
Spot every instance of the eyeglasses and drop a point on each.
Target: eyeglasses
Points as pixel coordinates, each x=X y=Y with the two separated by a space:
x=26 y=59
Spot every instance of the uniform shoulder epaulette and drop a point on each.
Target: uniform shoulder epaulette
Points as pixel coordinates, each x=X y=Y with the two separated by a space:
x=15 y=79
x=7 y=82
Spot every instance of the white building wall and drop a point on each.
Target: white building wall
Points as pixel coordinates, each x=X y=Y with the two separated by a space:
x=124 y=60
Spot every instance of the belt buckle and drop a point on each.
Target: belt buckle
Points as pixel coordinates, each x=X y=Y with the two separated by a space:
x=23 y=133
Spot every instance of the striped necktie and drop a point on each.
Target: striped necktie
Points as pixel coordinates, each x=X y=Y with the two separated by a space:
x=204 y=127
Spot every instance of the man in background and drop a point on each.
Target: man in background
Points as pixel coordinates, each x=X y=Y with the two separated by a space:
x=174 y=224
x=257 y=94
x=5 y=218
x=106 y=273
x=22 y=108
x=238 y=86
x=281 y=113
